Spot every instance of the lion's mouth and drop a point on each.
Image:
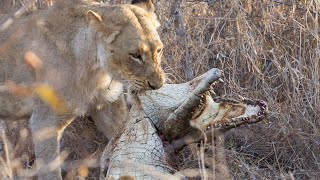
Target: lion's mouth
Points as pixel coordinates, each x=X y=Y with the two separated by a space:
x=226 y=113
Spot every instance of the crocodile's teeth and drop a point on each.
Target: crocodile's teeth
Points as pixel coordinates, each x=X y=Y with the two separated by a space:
x=221 y=80
x=212 y=92
x=231 y=101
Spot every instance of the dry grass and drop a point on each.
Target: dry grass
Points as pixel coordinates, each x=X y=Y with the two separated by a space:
x=269 y=50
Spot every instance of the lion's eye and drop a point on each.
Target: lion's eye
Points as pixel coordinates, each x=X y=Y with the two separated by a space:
x=159 y=50
x=136 y=57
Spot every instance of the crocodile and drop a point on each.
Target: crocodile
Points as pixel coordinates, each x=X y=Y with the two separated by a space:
x=179 y=113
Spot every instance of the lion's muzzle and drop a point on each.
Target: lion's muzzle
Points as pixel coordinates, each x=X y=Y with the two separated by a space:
x=153 y=87
x=156 y=80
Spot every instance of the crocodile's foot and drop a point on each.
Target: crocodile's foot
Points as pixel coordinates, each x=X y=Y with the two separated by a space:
x=226 y=113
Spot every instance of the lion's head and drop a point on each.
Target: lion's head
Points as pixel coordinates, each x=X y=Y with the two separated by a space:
x=134 y=48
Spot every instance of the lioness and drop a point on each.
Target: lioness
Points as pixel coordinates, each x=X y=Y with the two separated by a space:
x=82 y=51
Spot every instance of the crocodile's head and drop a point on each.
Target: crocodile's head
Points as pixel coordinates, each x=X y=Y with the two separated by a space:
x=227 y=113
x=176 y=109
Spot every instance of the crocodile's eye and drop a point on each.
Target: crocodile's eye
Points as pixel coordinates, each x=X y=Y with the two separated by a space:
x=136 y=57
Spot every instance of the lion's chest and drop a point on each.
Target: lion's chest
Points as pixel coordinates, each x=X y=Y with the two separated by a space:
x=108 y=88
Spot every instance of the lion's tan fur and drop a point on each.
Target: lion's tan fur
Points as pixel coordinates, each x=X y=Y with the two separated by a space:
x=86 y=50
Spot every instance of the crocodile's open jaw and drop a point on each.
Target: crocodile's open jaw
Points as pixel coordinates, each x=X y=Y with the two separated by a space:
x=175 y=109
x=227 y=113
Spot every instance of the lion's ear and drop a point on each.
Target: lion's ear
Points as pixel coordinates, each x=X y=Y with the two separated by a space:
x=95 y=20
x=148 y=5
x=151 y=6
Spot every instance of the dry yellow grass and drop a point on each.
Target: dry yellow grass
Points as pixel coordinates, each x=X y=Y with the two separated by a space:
x=268 y=50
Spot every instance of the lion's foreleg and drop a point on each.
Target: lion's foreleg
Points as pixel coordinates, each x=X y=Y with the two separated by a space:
x=110 y=117
x=47 y=129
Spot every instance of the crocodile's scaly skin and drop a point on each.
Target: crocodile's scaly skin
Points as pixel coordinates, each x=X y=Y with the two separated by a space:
x=138 y=150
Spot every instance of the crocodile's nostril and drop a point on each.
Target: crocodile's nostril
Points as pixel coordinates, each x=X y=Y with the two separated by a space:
x=263 y=103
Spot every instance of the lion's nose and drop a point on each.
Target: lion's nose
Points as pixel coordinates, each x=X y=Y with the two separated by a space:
x=155 y=86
